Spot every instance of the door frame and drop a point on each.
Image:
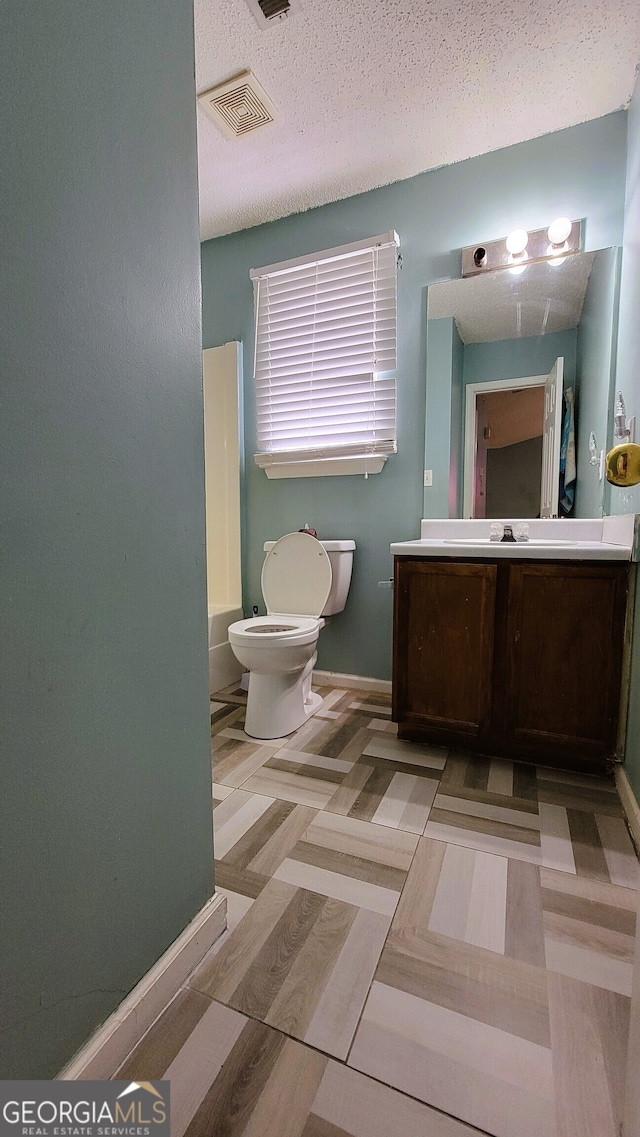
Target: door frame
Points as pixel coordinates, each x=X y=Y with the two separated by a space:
x=471 y=392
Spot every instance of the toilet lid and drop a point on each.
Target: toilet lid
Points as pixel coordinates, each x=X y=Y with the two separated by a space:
x=296 y=576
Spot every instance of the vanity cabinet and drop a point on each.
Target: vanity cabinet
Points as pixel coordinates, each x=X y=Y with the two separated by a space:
x=520 y=659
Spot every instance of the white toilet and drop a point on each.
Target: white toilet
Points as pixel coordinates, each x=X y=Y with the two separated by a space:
x=303 y=580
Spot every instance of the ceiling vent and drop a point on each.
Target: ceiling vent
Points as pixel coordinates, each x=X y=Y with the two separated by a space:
x=239 y=105
x=268 y=11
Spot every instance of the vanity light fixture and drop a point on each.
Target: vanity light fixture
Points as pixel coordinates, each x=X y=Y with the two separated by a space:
x=553 y=244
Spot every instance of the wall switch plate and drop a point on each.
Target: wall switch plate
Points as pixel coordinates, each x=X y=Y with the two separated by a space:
x=428 y=477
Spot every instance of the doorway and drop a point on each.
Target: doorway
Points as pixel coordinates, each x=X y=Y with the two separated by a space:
x=509 y=453
x=512 y=446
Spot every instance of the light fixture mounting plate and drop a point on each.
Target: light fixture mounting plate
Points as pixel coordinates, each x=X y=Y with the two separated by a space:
x=496 y=255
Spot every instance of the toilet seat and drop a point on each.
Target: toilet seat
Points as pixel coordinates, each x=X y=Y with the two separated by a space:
x=296 y=576
x=296 y=582
x=275 y=629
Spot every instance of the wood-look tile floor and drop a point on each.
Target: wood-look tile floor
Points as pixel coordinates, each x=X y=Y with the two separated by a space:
x=418 y=942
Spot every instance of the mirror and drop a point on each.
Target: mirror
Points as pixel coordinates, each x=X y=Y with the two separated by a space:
x=497 y=345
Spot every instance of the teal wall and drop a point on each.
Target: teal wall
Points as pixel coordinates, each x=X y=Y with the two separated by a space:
x=577 y=172
x=517 y=358
x=456 y=461
x=628 y=381
x=105 y=809
x=443 y=417
x=596 y=369
x=628 y=356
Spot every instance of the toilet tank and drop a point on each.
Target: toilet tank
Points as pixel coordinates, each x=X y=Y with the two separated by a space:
x=341 y=558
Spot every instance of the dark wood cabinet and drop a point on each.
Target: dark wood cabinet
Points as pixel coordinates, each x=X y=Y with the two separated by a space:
x=445 y=643
x=521 y=659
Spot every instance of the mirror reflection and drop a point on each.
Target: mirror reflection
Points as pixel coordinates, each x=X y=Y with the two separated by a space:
x=506 y=473
x=527 y=358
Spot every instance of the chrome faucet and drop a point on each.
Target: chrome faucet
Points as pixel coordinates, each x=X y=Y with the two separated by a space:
x=508 y=534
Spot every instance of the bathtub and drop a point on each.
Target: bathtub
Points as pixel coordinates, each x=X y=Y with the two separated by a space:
x=224 y=668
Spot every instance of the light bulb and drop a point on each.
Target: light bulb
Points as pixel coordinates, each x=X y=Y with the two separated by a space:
x=559 y=230
x=518 y=264
x=517 y=242
x=555 y=261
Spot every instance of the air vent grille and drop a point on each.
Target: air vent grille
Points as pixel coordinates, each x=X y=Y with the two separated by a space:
x=241 y=110
x=239 y=105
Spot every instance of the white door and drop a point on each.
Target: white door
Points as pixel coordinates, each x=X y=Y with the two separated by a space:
x=551 y=441
x=480 y=470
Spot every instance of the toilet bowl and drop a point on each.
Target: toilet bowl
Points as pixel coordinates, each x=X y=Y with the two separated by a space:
x=300 y=587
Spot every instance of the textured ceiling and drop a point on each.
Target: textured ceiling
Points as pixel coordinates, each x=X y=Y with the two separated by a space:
x=372 y=91
x=502 y=306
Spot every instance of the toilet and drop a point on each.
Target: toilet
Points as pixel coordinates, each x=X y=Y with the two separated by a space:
x=303 y=581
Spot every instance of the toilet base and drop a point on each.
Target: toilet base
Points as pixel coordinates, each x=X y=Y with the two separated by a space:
x=278 y=704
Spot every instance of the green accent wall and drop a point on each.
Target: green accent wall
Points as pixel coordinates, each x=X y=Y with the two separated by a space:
x=106 y=794
x=443 y=418
x=596 y=370
x=577 y=172
x=517 y=358
x=628 y=355
x=456 y=457
x=628 y=381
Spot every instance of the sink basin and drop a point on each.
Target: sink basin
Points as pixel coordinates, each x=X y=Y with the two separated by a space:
x=488 y=541
x=550 y=539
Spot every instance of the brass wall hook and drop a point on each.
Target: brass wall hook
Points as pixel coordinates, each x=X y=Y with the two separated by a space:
x=623 y=465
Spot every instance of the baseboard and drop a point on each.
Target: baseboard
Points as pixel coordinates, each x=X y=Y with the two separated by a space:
x=338 y=679
x=629 y=804
x=107 y=1049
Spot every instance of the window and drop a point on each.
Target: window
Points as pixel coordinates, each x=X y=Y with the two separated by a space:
x=325 y=358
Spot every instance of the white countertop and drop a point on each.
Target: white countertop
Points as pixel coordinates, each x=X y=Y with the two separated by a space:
x=571 y=539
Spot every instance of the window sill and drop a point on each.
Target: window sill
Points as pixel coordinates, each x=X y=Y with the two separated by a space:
x=321 y=467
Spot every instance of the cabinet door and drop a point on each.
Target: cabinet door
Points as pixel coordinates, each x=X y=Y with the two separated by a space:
x=565 y=637
x=443 y=644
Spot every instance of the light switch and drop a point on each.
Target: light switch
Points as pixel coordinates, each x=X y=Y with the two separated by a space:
x=428 y=477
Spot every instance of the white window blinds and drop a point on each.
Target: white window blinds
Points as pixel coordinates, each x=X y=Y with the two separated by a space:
x=325 y=355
